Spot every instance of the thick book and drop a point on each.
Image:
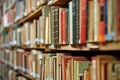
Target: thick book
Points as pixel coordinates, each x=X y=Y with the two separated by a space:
x=99 y=60
x=65 y=60
x=90 y=26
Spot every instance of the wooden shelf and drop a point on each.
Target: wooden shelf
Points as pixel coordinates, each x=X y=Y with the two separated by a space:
x=108 y=46
x=30 y=16
x=25 y=48
x=59 y=3
x=112 y=46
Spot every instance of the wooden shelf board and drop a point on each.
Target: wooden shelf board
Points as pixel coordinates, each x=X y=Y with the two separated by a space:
x=67 y=49
x=112 y=46
x=27 y=48
x=30 y=16
x=59 y=3
x=109 y=46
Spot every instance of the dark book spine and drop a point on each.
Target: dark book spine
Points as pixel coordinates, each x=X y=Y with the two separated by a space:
x=67 y=27
x=105 y=19
x=77 y=22
x=74 y=20
x=56 y=26
x=88 y=22
x=52 y=26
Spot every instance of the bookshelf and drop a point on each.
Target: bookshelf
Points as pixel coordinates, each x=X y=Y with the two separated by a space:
x=60 y=34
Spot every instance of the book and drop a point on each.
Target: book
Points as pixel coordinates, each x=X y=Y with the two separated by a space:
x=96 y=20
x=83 y=23
x=90 y=26
x=70 y=22
x=102 y=23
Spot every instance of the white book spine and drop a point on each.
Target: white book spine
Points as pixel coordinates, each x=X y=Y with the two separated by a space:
x=95 y=20
x=71 y=23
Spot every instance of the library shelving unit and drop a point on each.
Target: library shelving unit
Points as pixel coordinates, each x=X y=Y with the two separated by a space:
x=51 y=39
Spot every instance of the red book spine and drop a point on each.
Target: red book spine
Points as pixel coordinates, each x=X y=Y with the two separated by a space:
x=64 y=27
x=61 y=26
x=118 y=19
x=83 y=22
x=65 y=61
x=102 y=22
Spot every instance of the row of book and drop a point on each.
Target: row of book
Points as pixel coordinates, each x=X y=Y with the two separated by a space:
x=24 y=7
x=58 y=25
x=24 y=61
x=78 y=25
x=8 y=4
x=65 y=66
x=3 y=72
x=8 y=74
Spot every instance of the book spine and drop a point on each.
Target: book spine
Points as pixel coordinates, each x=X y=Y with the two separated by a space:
x=115 y=21
x=110 y=21
x=83 y=22
x=118 y=19
x=71 y=22
x=42 y=40
x=56 y=26
x=61 y=26
x=67 y=28
x=38 y=31
x=54 y=30
x=74 y=20
x=93 y=68
x=46 y=30
x=52 y=27
x=95 y=20
x=77 y=22
x=102 y=21
x=49 y=28
x=64 y=27
x=90 y=28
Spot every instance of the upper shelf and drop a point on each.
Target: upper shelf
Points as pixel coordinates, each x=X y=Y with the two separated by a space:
x=108 y=46
x=30 y=16
x=58 y=3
